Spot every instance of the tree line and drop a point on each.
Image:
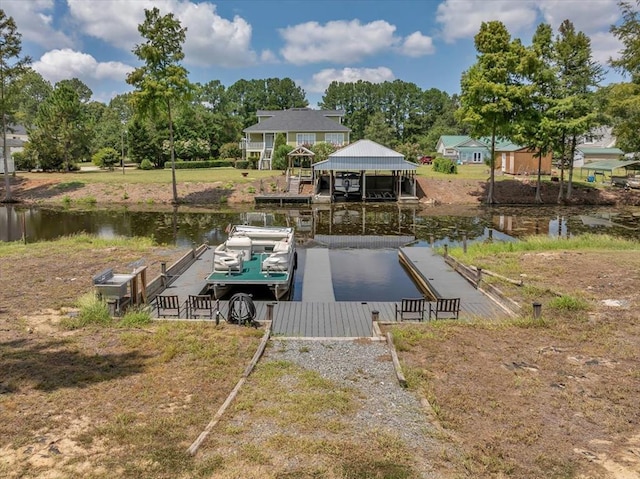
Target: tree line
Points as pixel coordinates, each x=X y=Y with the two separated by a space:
x=545 y=95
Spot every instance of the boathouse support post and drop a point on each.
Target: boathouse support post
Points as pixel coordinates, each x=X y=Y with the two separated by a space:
x=446 y=251
x=464 y=243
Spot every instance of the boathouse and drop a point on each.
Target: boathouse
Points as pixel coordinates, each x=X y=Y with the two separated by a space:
x=365 y=171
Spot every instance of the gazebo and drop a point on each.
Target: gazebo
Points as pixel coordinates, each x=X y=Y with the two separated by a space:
x=367 y=171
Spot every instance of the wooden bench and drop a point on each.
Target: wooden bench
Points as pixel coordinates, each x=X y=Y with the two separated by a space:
x=447 y=306
x=199 y=305
x=411 y=308
x=168 y=306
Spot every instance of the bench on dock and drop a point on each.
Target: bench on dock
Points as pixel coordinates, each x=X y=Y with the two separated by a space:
x=447 y=306
x=168 y=306
x=200 y=305
x=411 y=308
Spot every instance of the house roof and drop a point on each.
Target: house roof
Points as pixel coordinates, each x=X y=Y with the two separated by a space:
x=599 y=151
x=298 y=119
x=449 y=141
x=609 y=165
x=365 y=155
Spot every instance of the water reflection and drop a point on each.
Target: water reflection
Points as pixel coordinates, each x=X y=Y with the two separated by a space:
x=427 y=226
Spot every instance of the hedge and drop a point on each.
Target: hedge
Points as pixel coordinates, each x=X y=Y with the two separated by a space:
x=187 y=165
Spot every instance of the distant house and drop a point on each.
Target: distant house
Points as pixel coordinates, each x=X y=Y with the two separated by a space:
x=301 y=126
x=462 y=149
x=509 y=158
x=16 y=138
x=598 y=145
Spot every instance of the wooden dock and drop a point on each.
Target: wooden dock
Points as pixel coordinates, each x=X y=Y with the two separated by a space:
x=317 y=276
x=438 y=280
x=318 y=315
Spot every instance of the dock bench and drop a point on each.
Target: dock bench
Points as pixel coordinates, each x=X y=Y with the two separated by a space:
x=445 y=306
x=411 y=308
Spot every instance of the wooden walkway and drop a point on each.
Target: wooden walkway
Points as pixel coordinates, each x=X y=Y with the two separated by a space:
x=438 y=280
x=317 y=276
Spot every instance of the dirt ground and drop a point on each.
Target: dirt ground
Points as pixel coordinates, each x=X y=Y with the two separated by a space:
x=515 y=191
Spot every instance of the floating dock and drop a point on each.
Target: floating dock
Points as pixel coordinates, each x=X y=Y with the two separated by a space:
x=318 y=315
x=438 y=280
x=317 y=277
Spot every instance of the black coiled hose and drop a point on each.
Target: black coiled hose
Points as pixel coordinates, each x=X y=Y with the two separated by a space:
x=242 y=310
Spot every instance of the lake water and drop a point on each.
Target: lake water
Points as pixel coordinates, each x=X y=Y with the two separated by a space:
x=363 y=239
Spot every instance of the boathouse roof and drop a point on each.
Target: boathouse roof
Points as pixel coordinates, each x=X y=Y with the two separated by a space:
x=365 y=155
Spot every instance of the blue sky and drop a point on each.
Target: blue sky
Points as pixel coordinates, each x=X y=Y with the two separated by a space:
x=426 y=42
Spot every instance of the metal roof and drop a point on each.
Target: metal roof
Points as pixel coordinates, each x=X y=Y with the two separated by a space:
x=600 y=150
x=609 y=165
x=365 y=155
x=306 y=120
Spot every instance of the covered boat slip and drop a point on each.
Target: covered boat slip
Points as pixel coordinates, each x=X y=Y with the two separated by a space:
x=366 y=171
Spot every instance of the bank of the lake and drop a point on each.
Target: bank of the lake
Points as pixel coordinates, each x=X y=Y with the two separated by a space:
x=224 y=186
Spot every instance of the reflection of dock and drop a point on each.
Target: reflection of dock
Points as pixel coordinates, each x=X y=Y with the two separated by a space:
x=436 y=278
x=317 y=276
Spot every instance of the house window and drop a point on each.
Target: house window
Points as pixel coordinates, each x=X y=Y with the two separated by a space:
x=305 y=139
x=334 y=138
x=477 y=157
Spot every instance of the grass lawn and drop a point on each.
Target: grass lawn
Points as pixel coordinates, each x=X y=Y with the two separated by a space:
x=135 y=176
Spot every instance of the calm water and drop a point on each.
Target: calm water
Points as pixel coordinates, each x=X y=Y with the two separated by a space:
x=363 y=239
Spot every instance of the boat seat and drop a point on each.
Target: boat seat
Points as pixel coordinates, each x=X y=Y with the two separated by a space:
x=281 y=247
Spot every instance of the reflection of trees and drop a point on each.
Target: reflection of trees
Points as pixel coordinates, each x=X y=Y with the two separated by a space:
x=454 y=228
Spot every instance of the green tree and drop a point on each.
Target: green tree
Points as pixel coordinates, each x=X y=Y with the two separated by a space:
x=492 y=91
x=578 y=76
x=161 y=83
x=622 y=100
x=60 y=137
x=536 y=126
x=628 y=32
x=83 y=91
x=12 y=65
x=32 y=90
x=380 y=131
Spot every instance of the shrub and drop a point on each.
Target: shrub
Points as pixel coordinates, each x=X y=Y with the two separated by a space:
x=146 y=165
x=91 y=311
x=135 y=317
x=280 y=161
x=23 y=162
x=445 y=165
x=230 y=150
x=186 y=165
x=106 y=157
x=242 y=164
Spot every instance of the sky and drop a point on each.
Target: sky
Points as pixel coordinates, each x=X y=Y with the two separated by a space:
x=313 y=42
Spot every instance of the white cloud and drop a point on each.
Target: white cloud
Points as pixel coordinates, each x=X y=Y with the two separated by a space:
x=213 y=40
x=64 y=64
x=462 y=18
x=113 y=21
x=605 y=46
x=35 y=22
x=337 y=41
x=267 y=56
x=321 y=80
x=210 y=39
x=599 y=15
x=417 y=45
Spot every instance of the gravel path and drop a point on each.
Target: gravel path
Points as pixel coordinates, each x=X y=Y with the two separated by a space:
x=367 y=367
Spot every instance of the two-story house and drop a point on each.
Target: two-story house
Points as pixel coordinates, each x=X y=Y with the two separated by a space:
x=16 y=137
x=301 y=126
